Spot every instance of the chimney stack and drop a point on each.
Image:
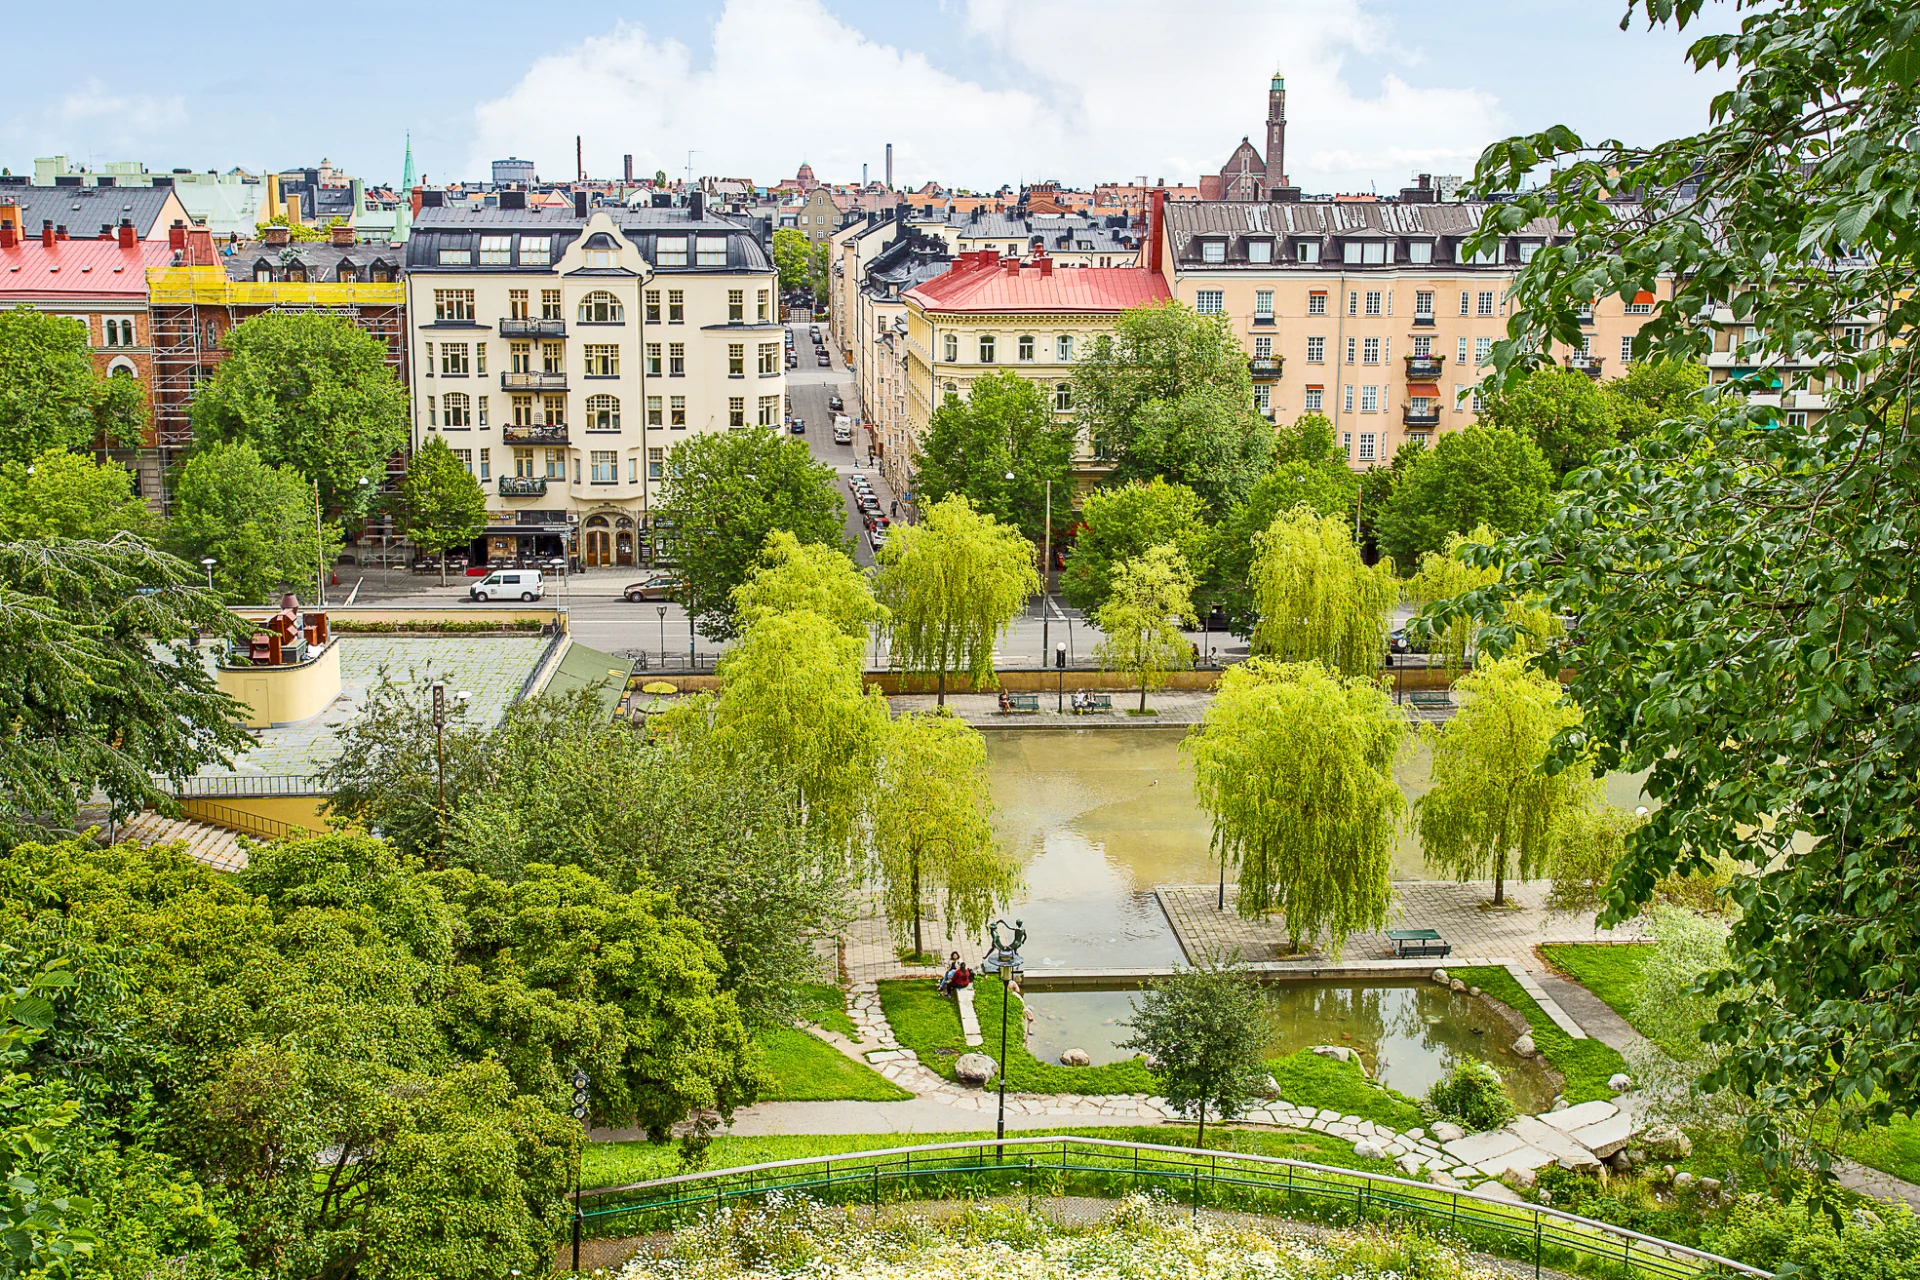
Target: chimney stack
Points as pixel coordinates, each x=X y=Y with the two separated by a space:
x=126 y=233
x=200 y=250
x=177 y=235
x=9 y=231
x=1156 y=218
x=579 y=160
x=417 y=194
x=1046 y=265
x=60 y=232
x=627 y=169
x=697 y=205
x=341 y=235
x=275 y=236
x=579 y=204
x=106 y=231
x=46 y=233
x=889 y=166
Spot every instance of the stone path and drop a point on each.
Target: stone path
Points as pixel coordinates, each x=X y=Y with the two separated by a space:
x=969 y=1020
x=1589 y=1010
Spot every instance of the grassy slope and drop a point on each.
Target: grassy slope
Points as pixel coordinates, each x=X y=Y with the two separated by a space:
x=1307 y=1080
x=1586 y=1064
x=825 y=1006
x=806 y=1068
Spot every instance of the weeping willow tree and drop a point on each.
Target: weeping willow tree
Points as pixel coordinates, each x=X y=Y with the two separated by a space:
x=795 y=575
x=1492 y=802
x=933 y=831
x=1295 y=766
x=952 y=585
x=1150 y=599
x=1446 y=575
x=1316 y=599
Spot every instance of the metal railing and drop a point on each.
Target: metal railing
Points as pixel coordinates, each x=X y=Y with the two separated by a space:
x=522 y=486
x=533 y=382
x=251 y=824
x=249 y=784
x=549 y=328
x=527 y=433
x=1232 y=1181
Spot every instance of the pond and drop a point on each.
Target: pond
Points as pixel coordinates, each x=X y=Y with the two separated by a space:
x=1409 y=1034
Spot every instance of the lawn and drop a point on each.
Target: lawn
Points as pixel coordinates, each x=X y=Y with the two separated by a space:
x=806 y=1068
x=825 y=1006
x=1308 y=1080
x=1586 y=1064
x=1611 y=970
x=928 y=1023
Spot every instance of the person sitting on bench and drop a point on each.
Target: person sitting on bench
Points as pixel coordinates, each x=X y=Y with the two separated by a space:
x=946 y=979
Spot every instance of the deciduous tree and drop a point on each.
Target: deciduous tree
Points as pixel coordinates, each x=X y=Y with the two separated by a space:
x=1446 y=575
x=69 y=495
x=441 y=504
x=813 y=577
x=1295 y=767
x=1316 y=600
x=1652 y=391
x=1119 y=524
x=1206 y=1027
x=50 y=397
x=1482 y=475
x=1563 y=411
x=254 y=520
x=1151 y=600
x=1005 y=427
x=952 y=585
x=1323 y=484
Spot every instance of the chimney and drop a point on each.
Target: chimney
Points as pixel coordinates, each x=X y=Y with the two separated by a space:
x=275 y=236
x=341 y=234
x=272 y=201
x=416 y=197
x=627 y=168
x=1156 y=223
x=46 y=233
x=579 y=204
x=513 y=200
x=200 y=250
x=579 y=162
x=1045 y=264
x=177 y=235
x=889 y=166
x=126 y=233
x=106 y=231
x=359 y=200
x=697 y=206
x=9 y=229
x=1013 y=266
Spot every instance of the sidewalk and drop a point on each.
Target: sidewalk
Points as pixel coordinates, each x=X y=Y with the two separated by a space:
x=1174 y=708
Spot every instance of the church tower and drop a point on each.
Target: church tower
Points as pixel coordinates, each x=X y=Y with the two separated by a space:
x=1277 y=134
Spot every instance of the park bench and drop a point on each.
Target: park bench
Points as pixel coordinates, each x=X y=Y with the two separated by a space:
x=1024 y=702
x=1418 y=944
x=1430 y=697
x=1097 y=704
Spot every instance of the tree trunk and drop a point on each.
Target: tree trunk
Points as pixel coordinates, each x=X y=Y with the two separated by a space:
x=1200 y=1139
x=443 y=568
x=943 y=686
x=1143 y=693
x=918 y=950
x=1499 y=879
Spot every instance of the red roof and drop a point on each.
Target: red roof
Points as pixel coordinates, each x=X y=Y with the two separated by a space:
x=82 y=268
x=985 y=281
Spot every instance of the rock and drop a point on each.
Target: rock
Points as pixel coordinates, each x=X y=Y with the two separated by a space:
x=1636 y=1157
x=1524 y=1046
x=1682 y=1179
x=1666 y=1142
x=1520 y=1179
x=1270 y=1088
x=1440 y=976
x=975 y=1068
x=1457 y=987
x=1338 y=1052
x=1416 y=1134
x=1075 y=1058
x=1150 y=1062
x=1474 y=992
x=1368 y=1149
x=1666 y=1173
x=1441 y=1178
x=1446 y=1131
x=1619 y=1082
x=1619 y=1163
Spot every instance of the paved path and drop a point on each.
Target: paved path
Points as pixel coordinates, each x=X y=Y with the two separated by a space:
x=1589 y=1010
x=1177 y=709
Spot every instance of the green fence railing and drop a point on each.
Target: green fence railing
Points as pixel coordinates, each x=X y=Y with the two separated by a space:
x=1535 y=1235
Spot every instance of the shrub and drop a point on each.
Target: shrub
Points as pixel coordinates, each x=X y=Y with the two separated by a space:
x=1878 y=1244
x=1473 y=1095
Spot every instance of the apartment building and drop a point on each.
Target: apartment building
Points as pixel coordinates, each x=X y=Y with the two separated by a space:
x=563 y=353
x=878 y=318
x=1373 y=313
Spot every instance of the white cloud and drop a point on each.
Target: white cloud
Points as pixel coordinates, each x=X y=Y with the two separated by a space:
x=1100 y=90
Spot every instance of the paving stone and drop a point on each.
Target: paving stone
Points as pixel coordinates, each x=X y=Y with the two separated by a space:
x=1568 y=1119
x=1544 y=1137
x=1606 y=1137
x=1478 y=1148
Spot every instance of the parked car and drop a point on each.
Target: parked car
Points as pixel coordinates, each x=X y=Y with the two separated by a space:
x=509 y=584
x=793 y=361
x=835 y=403
x=813 y=331
x=660 y=586
x=825 y=361
x=798 y=426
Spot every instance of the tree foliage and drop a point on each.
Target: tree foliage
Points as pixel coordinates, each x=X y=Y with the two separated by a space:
x=933 y=837
x=59 y=494
x=812 y=577
x=1120 y=523
x=256 y=522
x=726 y=491
x=1168 y=394
x=1141 y=621
x=50 y=396
x=1648 y=392
x=1005 y=427
x=1744 y=595
x=1566 y=414
x=1482 y=475
x=441 y=504
x=1295 y=769
x=1301 y=477
x=1315 y=600
x=1444 y=575
x=312 y=392
x=952 y=584
x=1206 y=1027
x=1493 y=799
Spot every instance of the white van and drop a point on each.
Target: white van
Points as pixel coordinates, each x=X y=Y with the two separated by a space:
x=842 y=429
x=509 y=584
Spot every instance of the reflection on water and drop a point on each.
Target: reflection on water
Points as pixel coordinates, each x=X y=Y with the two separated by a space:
x=1409 y=1034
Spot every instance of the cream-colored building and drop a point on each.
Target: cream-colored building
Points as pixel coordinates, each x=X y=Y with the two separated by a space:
x=563 y=353
x=1370 y=312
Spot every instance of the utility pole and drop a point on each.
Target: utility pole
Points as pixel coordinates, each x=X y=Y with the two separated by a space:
x=319 y=551
x=440 y=759
x=1046 y=571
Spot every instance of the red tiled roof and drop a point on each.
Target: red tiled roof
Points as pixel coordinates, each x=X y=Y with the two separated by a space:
x=982 y=282
x=83 y=268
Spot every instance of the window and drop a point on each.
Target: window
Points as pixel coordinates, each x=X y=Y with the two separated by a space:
x=1063 y=348
x=1484 y=303
x=1213 y=251
x=263 y=274
x=676 y=306
x=496 y=251
x=1263 y=306
x=653 y=359
x=1460 y=355
x=523 y=411
x=1640 y=308
x=553 y=357
x=1366 y=446
x=456 y=257
x=1316 y=350
x=1626 y=349
x=1371 y=253
x=433 y=417
x=483 y=411
x=601 y=307
x=1527 y=249
x=1373 y=302
x=1263 y=347
x=1853 y=336
x=653 y=306
x=1346 y=443
x=1423 y=346
x=466 y=459
x=633 y=471
x=520 y=357
x=712 y=252
x=1352 y=345
x=454 y=406
x=486 y=464
x=762 y=308
x=1466 y=303
x=516 y=304
x=950 y=348
x=1263 y=396
x=1423 y=304
x=1482 y=348
x=480 y=357
x=429 y=360
x=656 y=463
x=606 y=466
x=553 y=408
x=656 y=411
x=1210 y=302
x=736 y=411
x=670 y=251
x=1316 y=396
x=1484 y=258
x=1024 y=346
x=1348 y=407
x=603 y=360
x=1306 y=251
x=769 y=358
x=550 y=304
x=677 y=412
x=453 y=359
x=536 y=251
x=1370 y=351
x=452 y=304
x=769 y=410
x=523 y=464
x=1317 y=303
x=576 y=471
x=1259 y=251
x=676 y=359
x=736 y=359
x=1369 y=399
x=987 y=348
x=1420 y=251
x=1353 y=303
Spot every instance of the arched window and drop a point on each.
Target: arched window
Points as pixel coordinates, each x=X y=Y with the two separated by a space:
x=603 y=413
x=126 y=333
x=1062 y=397
x=601 y=307
x=454 y=405
x=212 y=333
x=1025 y=347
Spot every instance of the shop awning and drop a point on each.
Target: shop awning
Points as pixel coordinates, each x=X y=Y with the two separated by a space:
x=1643 y=299
x=1429 y=389
x=525 y=530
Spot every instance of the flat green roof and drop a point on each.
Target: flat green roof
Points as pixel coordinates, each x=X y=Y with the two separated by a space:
x=581 y=667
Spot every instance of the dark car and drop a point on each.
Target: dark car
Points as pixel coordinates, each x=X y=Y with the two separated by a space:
x=835 y=403
x=825 y=361
x=793 y=361
x=660 y=586
x=798 y=426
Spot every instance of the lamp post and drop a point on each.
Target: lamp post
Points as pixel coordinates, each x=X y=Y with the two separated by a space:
x=662 y=610
x=319 y=550
x=1004 y=959
x=580 y=1083
x=207 y=563
x=440 y=758
x=1060 y=677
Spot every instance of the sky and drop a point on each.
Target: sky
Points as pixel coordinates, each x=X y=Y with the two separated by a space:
x=972 y=93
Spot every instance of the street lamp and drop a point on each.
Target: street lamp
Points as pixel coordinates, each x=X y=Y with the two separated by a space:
x=663 y=633
x=1004 y=960
x=1060 y=677
x=580 y=1083
x=207 y=562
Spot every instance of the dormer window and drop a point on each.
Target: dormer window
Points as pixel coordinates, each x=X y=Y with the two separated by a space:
x=1527 y=249
x=1420 y=251
x=1484 y=258
x=670 y=251
x=1213 y=251
x=1306 y=251
x=536 y=251
x=297 y=273
x=1259 y=251
x=345 y=273
x=602 y=258
x=1370 y=253
x=262 y=273
x=380 y=273
x=712 y=252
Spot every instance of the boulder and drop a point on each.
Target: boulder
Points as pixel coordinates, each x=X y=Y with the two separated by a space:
x=1457 y=986
x=1520 y=1179
x=1075 y=1058
x=1339 y=1052
x=975 y=1068
x=1440 y=976
x=1666 y=1142
x=1474 y=992
x=1368 y=1149
x=1446 y=1131
x=1619 y=1162
x=1441 y=1178
x=1270 y=1088
x=1619 y=1082
x=1682 y=1179
x=1524 y=1046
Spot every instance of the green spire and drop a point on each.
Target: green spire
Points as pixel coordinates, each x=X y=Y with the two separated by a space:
x=406 y=170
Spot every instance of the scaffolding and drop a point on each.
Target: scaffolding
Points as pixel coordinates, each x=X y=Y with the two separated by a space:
x=192 y=309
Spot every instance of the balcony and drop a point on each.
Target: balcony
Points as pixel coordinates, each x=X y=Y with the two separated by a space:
x=1424 y=368
x=529 y=433
x=1587 y=364
x=533 y=328
x=522 y=486
x=1265 y=367
x=1423 y=319
x=533 y=382
x=1419 y=417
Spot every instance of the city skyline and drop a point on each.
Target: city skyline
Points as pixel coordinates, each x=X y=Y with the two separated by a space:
x=968 y=92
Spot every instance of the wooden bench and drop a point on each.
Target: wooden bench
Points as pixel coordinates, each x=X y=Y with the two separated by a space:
x=1418 y=944
x=1023 y=702
x=1096 y=704
x=1426 y=951
x=1430 y=697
